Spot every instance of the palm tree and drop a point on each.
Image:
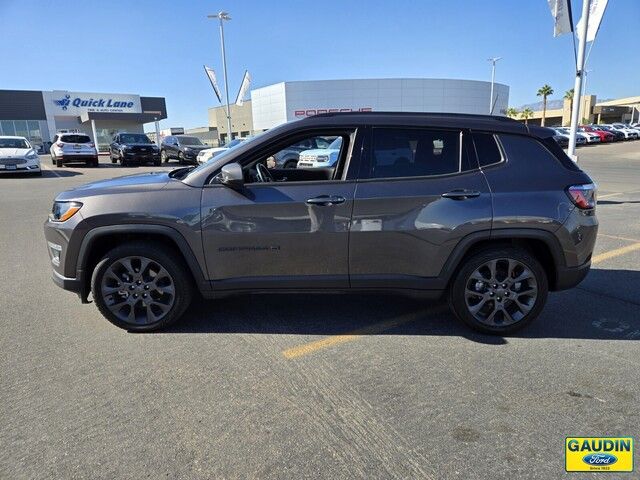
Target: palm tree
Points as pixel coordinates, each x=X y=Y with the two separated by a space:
x=526 y=114
x=512 y=112
x=544 y=92
x=568 y=95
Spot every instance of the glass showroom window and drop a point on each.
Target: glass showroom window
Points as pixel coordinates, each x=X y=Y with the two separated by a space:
x=35 y=136
x=7 y=127
x=21 y=128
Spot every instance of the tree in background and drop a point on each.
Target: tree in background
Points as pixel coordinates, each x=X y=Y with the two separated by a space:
x=568 y=95
x=512 y=112
x=544 y=92
x=526 y=114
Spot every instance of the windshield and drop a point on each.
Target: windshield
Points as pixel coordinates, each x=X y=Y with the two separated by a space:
x=134 y=138
x=335 y=145
x=189 y=141
x=247 y=141
x=235 y=142
x=14 y=143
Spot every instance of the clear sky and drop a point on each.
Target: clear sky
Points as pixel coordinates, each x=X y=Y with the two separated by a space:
x=158 y=47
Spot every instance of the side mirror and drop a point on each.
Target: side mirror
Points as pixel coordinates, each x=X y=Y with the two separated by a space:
x=231 y=175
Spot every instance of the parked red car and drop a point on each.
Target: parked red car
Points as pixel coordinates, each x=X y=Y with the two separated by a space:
x=604 y=136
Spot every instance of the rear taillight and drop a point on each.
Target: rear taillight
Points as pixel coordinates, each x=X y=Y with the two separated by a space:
x=583 y=196
x=91 y=145
x=59 y=145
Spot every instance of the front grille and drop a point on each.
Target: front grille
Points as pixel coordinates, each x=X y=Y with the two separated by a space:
x=12 y=161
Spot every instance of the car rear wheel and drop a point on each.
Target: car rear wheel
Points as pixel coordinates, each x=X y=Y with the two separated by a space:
x=140 y=287
x=499 y=290
x=58 y=162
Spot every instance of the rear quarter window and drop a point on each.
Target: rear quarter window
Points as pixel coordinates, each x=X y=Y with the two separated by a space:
x=535 y=151
x=487 y=149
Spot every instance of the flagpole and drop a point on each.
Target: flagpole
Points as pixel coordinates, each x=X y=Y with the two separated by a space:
x=575 y=110
x=224 y=16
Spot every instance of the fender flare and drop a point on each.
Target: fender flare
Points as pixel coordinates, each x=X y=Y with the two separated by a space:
x=95 y=233
x=467 y=243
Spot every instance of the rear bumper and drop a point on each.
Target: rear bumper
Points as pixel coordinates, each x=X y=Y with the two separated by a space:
x=569 y=277
x=77 y=158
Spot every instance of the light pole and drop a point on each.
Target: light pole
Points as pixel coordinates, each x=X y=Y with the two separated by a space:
x=493 y=61
x=583 y=101
x=222 y=16
x=575 y=110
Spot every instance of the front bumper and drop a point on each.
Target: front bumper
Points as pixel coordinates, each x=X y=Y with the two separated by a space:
x=70 y=284
x=142 y=157
x=24 y=168
x=63 y=241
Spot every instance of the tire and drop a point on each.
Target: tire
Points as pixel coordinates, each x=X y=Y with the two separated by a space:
x=59 y=162
x=291 y=164
x=181 y=158
x=163 y=157
x=499 y=300
x=113 y=159
x=119 y=314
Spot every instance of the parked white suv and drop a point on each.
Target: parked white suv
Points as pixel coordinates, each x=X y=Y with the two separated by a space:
x=18 y=155
x=629 y=133
x=73 y=148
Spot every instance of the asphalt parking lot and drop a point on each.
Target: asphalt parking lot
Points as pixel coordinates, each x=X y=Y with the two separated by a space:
x=314 y=386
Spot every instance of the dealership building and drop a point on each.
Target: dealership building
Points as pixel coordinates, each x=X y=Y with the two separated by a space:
x=38 y=115
x=285 y=101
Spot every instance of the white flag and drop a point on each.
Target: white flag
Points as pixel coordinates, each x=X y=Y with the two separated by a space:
x=561 y=12
x=244 y=87
x=596 y=12
x=214 y=83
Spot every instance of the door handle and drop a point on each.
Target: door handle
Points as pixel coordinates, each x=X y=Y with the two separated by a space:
x=461 y=194
x=325 y=200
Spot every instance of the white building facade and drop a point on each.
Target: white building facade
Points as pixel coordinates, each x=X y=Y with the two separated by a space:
x=285 y=101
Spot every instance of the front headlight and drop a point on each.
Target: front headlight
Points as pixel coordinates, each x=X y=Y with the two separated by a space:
x=32 y=155
x=322 y=158
x=63 y=211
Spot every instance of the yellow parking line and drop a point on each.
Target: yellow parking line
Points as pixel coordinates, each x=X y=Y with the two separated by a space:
x=311 y=347
x=626 y=239
x=615 y=253
x=609 y=195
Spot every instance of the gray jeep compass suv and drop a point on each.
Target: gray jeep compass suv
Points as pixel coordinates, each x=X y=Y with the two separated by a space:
x=484 y=209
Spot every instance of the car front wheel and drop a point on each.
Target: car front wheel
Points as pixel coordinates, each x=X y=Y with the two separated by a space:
x=499 y=290
x=140 y=287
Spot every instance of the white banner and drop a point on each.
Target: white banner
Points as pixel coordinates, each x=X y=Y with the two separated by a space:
x=596 y=12
x=214 y=83
x=244 y=88
x=561 y=12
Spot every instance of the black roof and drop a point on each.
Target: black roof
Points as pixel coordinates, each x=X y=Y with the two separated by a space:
x=491 y=123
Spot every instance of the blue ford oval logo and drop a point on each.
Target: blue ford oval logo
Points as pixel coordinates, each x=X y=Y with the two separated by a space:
x=599 y=459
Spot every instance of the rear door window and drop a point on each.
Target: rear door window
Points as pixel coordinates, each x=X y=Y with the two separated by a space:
x=415 y=152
